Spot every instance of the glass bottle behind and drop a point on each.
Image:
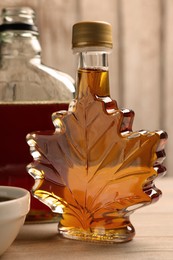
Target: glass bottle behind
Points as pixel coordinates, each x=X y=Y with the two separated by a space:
x=29 y=93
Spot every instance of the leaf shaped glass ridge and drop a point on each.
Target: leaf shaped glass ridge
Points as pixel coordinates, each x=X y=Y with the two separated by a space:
x=94 y=170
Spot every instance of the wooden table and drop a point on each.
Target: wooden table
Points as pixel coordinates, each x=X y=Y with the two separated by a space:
x=153 y=240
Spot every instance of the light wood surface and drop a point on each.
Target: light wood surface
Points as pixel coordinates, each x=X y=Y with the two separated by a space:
x=153 y=240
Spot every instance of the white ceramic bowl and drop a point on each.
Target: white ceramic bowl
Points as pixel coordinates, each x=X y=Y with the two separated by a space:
x=12 y=214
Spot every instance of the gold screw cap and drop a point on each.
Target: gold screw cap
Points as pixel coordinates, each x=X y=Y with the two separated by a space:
x=90 y=33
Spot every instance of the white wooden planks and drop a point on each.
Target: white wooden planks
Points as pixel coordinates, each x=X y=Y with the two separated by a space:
x=141 y=63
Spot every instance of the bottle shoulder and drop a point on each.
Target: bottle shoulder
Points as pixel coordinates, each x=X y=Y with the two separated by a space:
x=34 y=81
x=54 y=75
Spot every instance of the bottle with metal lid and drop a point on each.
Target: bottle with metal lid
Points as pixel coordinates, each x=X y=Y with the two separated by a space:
x=93 y=169
x=28 y=90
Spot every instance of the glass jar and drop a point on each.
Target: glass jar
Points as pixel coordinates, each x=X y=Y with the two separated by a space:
x=29 y=93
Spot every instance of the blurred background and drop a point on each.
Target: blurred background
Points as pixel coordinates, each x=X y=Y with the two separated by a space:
x=141 y=63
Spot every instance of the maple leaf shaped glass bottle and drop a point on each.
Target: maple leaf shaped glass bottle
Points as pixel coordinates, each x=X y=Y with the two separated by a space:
x=93 y=169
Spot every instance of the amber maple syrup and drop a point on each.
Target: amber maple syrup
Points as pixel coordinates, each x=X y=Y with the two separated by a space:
x=17 y=120
x=100 y=173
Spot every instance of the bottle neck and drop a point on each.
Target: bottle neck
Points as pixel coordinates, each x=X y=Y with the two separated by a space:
x=93 y=74
x=19 y=44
